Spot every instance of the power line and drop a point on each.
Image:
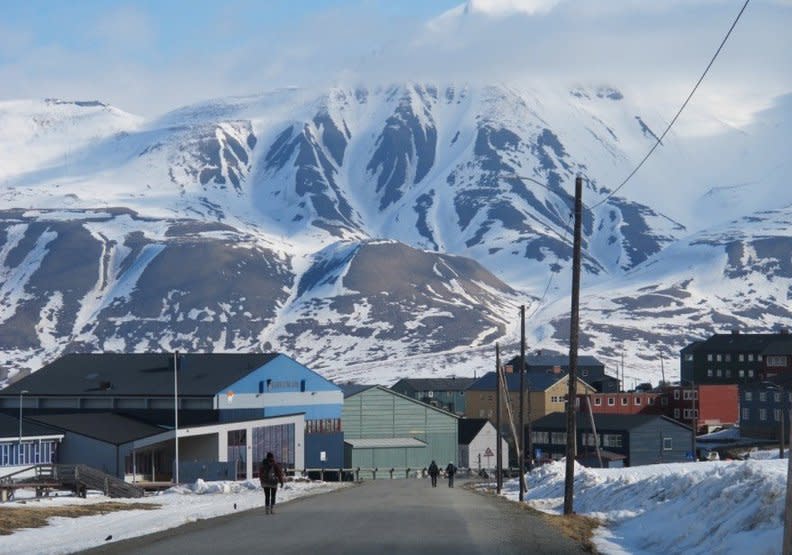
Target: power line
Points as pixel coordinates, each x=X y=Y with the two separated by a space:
x=679 y=112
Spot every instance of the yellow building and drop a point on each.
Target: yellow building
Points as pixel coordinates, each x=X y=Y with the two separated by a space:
x=545 y=394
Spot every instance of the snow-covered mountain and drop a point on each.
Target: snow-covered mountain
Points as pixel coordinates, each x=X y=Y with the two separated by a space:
x=360 y=228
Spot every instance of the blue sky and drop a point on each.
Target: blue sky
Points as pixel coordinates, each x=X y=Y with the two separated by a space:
x=150 y=56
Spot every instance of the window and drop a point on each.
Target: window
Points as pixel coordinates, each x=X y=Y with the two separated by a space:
x=750 y=373
x=750 y=357
x=541 y=437
x=741 y=357
x=728 y=373
x=690 y=414
x=664 y=401
x=584 y=372
x=689 y=357
x=777 y=397
x=741 y=373
x=597 y=401
x=748 y=396
x=667 y=444
x=759 y=357
x=611 y=440
x=558 y=438
x=676 y=414
x=727 y=357
x=637 y=400
x=687 y=395
x=676 y=395
x=719 y=373
x=611 y=401
x=481 y=413
x=709 y=357
x=762 y=397
x=777 y=415
x=790 y=397
x=718 y=358
x=763 y=414
x=776 y=361
x=625 y=401
x=651 y=401
x=709 y=372
x=430 y=394
x=302 y=387
x=746 y=414
x=589 y=440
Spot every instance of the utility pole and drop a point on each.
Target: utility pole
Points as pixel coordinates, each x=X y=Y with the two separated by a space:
x=522 y=403
x=574 y=328
x=662 y=370
x=787 y=547
x=694 y=416
x=176 y=412
x=498 y=453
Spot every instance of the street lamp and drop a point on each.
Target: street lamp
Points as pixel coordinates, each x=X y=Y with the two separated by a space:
x=19 y=451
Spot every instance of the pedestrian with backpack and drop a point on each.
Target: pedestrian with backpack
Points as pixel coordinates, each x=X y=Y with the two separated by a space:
x=450 y=471
x=270 y=475
x=433 y=473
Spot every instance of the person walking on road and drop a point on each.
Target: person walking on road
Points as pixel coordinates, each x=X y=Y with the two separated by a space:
x=450 y=471
x=433 y=473
x=270 y=475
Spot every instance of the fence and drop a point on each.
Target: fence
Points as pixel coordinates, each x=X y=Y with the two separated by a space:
x=395 y=473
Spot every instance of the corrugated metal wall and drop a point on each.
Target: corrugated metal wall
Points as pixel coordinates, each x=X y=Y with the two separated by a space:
x=379 y=413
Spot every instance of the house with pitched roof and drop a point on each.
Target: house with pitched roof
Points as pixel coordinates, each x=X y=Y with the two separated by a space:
x=445 y=393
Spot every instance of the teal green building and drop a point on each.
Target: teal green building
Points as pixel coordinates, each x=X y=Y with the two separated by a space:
x=384 y=429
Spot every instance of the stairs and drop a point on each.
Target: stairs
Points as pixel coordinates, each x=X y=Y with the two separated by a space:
x=80 y=478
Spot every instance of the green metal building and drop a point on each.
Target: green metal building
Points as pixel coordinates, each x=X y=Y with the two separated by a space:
x=384 y=429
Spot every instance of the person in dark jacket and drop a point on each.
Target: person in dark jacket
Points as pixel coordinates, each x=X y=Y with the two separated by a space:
x=450 y=471
x=270 y=475
x=433 y=473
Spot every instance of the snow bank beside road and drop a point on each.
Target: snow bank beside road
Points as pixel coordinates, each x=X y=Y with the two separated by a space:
x=695 y=508
x=179 y=505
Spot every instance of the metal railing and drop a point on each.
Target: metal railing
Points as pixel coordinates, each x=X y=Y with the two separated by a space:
x=359 y=473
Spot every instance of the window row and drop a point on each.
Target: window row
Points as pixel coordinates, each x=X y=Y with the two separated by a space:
x=763 y=396
x=323 y=425
x=30 y=452
x=726 y=357
x=625 y=401
x=763 y=413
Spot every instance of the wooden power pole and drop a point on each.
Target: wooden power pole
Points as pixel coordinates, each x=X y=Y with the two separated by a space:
x=498 y=454
x=522 y=403
x=574 y=328
x=787 y=547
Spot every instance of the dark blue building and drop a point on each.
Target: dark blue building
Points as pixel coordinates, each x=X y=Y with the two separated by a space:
x=635 y=439
x=763 y=407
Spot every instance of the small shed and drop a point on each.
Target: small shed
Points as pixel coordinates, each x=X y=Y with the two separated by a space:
x=478 y=444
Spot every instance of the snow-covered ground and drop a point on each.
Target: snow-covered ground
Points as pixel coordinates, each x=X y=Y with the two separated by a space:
x=179 y=505
x=713 y=507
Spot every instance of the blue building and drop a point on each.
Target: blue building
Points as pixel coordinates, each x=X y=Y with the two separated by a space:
x=212 y=389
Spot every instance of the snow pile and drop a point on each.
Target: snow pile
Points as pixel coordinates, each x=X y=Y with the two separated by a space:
x=177 y=506
x=715 y=507
x=767 y=454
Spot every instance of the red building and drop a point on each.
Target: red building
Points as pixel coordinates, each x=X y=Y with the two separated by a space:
x=632 y=402
x=713 y=405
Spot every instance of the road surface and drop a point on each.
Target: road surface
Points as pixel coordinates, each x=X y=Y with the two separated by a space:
x=377 y=517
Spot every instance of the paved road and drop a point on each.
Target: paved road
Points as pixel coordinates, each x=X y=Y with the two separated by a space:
x=378 y=517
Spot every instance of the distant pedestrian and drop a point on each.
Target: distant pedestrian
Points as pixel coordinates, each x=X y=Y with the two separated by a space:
x=433 y=473
x=450 y=471
x=270 y=475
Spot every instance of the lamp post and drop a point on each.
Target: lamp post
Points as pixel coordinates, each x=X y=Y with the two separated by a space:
x=19 y=450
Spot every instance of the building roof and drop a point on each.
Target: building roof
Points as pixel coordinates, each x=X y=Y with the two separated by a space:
x=778 y=348
x=437 y=384
x=384 y=442
x=150 y=374
x=545 y=360
x=9 y=427
x=604 y=422
x=735 y=342
x=350 y=389
x=533 y=381
x=469 y=429
x=106 y=426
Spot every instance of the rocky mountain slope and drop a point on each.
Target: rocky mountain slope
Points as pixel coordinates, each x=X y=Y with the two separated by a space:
x=363 y=226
